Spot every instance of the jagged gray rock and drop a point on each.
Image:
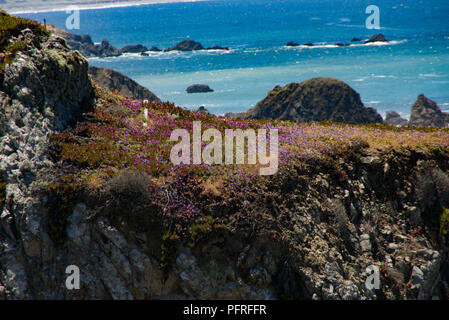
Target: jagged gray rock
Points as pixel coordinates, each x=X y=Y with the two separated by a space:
x=395 y=119
x=425 y=112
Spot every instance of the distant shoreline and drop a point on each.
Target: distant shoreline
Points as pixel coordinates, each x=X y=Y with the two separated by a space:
x=37 y=6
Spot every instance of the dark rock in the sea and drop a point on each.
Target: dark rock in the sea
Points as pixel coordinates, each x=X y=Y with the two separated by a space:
x=342 y=44
x=309 y=44
x=108 y=50
x=144 y=54
x=317 y=99
x=111 y=79
x=156 y=49
x=202 y=110
x=377 y=38
x=187 y=45
x=426 y=112
x=356 y=39
x=292 y=44
x=394 y=118
x=217 y=48
x=138 y=48
x=199 y=88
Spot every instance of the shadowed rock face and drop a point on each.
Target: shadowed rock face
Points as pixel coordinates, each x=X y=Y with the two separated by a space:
x=426 y=112
x=111 y=79
x=316 y=99
x=393 y=118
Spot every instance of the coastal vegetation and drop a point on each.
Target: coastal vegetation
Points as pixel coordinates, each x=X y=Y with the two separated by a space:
x=116 y=140
x=11 y=27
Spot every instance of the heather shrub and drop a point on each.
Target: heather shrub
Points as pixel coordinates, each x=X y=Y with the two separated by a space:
x=129 y=186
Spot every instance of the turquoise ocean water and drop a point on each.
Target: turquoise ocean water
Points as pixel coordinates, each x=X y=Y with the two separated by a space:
x=388 y=77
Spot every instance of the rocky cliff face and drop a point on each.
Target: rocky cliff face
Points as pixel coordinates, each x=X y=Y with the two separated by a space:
x=127 y=87
x=316 y=99
x=425 y=112
x=310 y=233
x=42 y=89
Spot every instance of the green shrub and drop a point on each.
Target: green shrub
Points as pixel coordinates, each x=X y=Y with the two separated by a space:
x=11 y=27
x=130 y=186
x=200 y=229
x=444 y=222
x=168 y=252
x=2 y=192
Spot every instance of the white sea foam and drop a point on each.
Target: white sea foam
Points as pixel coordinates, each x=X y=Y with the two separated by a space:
x=431 y=75
x=93 y=6
x=321 y=45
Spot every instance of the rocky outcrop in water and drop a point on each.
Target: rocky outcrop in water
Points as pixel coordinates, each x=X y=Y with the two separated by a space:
x=395 y=119
x=190 y=45
x=186 y=45
x=113 y=80
x=84 y=44
x=377 y=38
x=425 y=112
x=199 y=88
x=318 y=99
x=138 y=48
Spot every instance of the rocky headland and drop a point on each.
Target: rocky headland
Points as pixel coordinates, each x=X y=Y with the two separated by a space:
x=83 y=182
x=85 y=45
x=318 y=99
x=113 y=80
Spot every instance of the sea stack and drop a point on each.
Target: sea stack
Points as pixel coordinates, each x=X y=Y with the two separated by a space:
x=425 y=112
x=317 y=99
